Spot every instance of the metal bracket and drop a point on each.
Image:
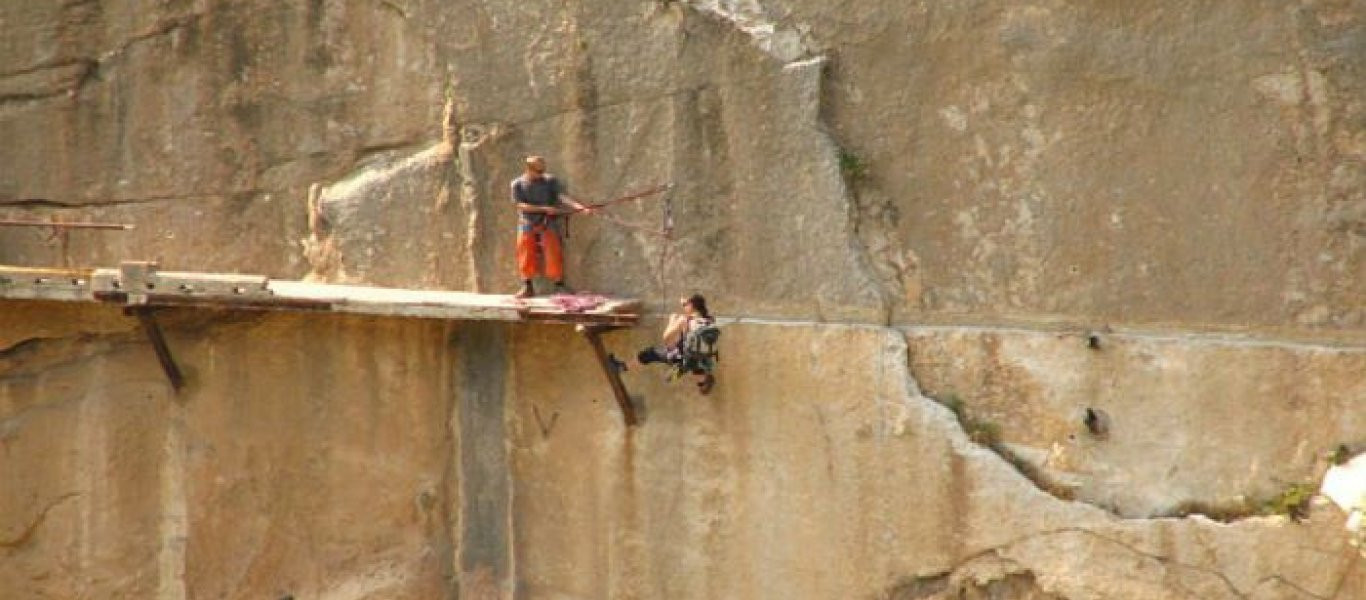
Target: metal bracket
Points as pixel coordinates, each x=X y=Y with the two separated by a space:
x=146 y=316
x=592 y=333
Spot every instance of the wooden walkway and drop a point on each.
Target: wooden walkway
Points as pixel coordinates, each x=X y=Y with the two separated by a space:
x=142 y=289
x=141 y=284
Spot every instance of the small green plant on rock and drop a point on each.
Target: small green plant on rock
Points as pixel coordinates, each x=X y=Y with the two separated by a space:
x=982 y=432
x=988 y=434
x=1224 y=511
x=952 y=402
x=985 y=433
x=1293 y=501
x=852 y=167
x=1340 y=455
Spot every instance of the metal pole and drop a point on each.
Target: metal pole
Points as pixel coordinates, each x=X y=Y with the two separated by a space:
x=65 y=225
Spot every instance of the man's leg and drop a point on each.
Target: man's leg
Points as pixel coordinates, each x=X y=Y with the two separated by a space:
x=554 y=258
x=526 y=259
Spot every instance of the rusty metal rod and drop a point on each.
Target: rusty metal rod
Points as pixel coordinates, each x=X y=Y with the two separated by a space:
x=65 y=225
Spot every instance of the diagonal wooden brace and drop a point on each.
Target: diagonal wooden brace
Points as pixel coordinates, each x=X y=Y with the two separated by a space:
x=592 y=333
x=146 y=316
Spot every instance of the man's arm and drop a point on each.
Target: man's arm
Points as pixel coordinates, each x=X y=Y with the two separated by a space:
x=519 y=198
x=574 y=203
x=567 y=200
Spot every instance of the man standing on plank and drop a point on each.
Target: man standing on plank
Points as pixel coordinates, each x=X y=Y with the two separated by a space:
x=541 y=202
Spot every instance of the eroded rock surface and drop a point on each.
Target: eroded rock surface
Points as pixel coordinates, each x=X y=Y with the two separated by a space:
x=1185 y=178
x=1175 y=406
x=347 y=462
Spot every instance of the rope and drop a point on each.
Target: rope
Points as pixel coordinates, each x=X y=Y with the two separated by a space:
x=618 y=221
x=665 y=231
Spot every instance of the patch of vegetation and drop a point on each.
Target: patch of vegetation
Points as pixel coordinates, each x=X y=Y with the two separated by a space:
x=1293 y=502
x=979 y=431
x=1340 y=455
x=985 y=433
x=988 y=434
x=853 y=168
x=952 y=402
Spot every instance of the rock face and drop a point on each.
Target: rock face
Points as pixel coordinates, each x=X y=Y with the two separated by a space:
x=1025 y=210
x=363 y=458
x=1176 y=409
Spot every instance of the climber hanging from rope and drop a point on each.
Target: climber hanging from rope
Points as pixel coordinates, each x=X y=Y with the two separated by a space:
x=689 y=343
x=691 y=335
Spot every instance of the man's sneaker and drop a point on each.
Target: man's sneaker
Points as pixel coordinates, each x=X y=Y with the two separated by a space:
x=617 y=364
x=561 y=288
x=526 y=292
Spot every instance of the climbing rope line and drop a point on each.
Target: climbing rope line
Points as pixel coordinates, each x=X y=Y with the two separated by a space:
x=664 y=231
x=667 y=231
x=646 y=229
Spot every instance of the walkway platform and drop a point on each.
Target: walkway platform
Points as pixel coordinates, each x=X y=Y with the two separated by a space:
x=141 y=284
x=142 y=290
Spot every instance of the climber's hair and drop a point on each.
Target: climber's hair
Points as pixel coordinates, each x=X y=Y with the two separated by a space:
x=699 y=304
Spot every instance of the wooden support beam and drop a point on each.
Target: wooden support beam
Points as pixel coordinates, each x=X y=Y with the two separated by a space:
x=592 y=333
x=150 y=327
x=608 y=320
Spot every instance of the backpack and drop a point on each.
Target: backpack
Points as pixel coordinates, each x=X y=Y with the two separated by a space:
x=698 y=348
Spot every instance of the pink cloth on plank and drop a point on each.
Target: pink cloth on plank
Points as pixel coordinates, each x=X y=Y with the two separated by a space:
x=577 y=303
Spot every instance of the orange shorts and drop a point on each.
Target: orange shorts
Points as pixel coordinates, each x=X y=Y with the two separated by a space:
x=539 y=241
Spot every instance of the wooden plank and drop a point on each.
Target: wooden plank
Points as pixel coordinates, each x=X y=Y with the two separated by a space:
x=222 y=303
x=141 y=283
x=433 y=304
x=628 y=410
x=12 y=270
x=27 y=283
x=143 y=278
x=544 y=304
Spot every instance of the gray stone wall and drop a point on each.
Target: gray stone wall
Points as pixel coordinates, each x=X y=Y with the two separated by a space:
x=886 y=195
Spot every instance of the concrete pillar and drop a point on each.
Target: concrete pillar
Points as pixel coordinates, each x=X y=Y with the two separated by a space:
x=484 y=551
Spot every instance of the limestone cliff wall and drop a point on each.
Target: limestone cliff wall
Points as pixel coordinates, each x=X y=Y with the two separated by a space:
x=895 y=200
x=363 y=458
x=1001 y=161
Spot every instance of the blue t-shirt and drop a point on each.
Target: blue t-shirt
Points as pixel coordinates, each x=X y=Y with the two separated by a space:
x=542 y=191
